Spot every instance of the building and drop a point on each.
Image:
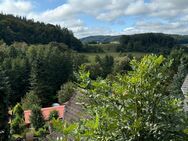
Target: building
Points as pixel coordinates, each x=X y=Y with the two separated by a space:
x=74 y=110
x=45 y=112
x=184 y=89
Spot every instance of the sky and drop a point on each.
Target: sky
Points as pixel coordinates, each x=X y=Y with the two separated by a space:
x=105 y=17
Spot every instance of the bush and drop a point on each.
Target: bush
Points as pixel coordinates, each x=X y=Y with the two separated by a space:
x=53 y=115
x=41 y=132
x=66 y=92
x=17 y=125
x=36 y=118
x=29 y=100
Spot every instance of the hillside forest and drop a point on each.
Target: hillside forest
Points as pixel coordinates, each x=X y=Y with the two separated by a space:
x=125 y=97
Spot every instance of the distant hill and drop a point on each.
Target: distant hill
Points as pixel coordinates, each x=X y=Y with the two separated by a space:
x=21 y=29
x=149 y=42
x=101 y=39
x=180 y=39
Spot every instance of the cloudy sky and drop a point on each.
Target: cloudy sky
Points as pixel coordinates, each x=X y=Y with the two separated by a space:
x=102 y=17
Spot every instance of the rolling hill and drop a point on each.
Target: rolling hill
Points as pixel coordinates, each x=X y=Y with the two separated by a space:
x=20 y=29
x=100 y=39
x=180 y=39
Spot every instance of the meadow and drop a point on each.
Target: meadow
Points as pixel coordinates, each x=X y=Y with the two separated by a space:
x=91 y=56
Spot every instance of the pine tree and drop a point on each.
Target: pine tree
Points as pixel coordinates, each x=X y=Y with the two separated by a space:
x=37 y=76
x=29 y=100
x=4 y=95
x=36 y=118
x=17 y=125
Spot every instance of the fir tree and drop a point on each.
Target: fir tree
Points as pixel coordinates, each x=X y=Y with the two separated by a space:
x=17 y=125
x=36 y=118
x=4 y=95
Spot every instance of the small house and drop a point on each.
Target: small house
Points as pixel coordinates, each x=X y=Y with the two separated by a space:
x=45 y=112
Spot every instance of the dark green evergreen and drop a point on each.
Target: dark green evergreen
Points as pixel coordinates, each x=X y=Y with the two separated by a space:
x=4 y=95
x=17 y=125
x=36 y=118
x=25 y=30
x=147 y=42
x=66 y=92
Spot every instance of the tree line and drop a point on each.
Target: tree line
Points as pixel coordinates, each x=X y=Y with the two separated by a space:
x=21 y=29
x=41 y=69
x=147 y=42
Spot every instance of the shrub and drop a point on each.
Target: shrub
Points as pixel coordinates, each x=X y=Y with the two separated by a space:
x=66 y=92
x=29 y=100
x=53 y=115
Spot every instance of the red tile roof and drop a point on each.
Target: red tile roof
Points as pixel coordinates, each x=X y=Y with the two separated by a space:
x=45 y=112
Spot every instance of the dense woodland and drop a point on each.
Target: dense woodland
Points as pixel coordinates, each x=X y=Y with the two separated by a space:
x=125 y=97
x=150 y=42
x=21 y=29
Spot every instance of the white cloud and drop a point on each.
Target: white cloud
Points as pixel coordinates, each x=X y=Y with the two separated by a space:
x=169 y=28
x=138 y=7
x=170 y=14
x=20 y=7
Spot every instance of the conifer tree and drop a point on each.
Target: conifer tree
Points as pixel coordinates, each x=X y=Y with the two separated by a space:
x=4 y=95
x=36 y=118
x=17 y=125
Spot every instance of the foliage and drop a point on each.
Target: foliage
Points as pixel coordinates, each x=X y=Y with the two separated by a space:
x=66 y=92
x=122 y=64
x=92 y=48
x=53 y=115
x=178 y=78
x=107 y=65
x=29 y=100
x=102 y=67
x=137 y=105
x=78 y=60
x=17 y=70
x=176 y=55
x=17 y=125
x=41 y=69
x=22 y=30
x=4 y=94
x=36 y=118
x=95 y=70
x=84 y=130
x=18 y=111
x=147 y=42
x=41 y=132
x=49 y=70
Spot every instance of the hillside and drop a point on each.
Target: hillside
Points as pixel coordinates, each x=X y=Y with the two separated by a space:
x=180 y=39
x=100 y=39
x=23 y=30
x=147 y=42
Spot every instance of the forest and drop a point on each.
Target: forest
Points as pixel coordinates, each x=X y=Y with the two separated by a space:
x=20 y=29
x=34 y=76
x=148 y=42
x=123 y=98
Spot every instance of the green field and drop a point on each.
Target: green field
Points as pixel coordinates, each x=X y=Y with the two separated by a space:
x=91 y=56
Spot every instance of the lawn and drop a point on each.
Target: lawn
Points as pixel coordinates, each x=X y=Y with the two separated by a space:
x=91 y=56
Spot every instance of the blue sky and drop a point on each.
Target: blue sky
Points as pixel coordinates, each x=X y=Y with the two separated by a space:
x=105 y=17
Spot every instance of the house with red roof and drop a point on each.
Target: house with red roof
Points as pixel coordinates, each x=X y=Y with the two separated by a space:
x=46 y=112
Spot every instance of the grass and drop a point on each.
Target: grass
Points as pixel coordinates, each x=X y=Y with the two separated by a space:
x=110 y=49
x=91 y=56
